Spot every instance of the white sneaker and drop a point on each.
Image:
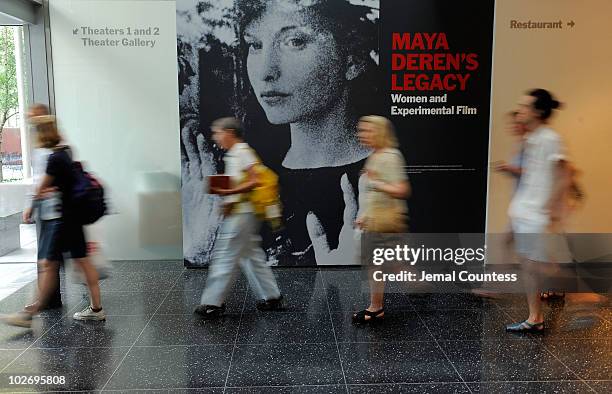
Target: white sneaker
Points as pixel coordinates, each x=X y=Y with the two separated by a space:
x=89 y=314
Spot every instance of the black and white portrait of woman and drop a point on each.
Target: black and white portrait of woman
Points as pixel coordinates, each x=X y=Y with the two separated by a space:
x=299 y=73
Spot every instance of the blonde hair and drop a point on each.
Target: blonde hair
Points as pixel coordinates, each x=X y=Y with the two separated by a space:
x=47 y=134
x=384 y=132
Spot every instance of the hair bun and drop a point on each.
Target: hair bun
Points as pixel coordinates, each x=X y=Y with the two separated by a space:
x=555 y=104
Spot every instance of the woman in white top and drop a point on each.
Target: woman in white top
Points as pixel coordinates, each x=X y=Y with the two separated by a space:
x=537 y=205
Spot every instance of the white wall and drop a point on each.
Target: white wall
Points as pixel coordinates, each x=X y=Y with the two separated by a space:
x=118 y=107
x=13 y=197
x=574 y=63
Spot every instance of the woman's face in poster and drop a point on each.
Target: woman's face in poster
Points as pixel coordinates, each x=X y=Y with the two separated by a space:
x=294 y=65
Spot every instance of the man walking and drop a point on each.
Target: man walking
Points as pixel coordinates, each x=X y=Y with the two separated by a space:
x=238 y=242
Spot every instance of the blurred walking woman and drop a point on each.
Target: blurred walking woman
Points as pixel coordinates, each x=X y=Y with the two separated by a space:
x=384 y=208
x=62 y=231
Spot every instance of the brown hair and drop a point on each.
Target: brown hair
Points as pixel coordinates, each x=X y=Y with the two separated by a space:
x=47 y=133
x=38 y=109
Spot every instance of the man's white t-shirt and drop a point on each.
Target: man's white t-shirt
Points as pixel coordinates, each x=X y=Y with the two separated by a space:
x=543 y=150
x=237 y=160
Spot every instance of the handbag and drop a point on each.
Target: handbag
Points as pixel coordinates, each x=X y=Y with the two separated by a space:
x=388 y=215
x=391 y=220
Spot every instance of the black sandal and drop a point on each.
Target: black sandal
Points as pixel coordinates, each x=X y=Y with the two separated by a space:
x=373 y=317
x=551 y=295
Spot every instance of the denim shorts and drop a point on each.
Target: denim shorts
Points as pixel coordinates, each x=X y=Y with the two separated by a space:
x=58 y=236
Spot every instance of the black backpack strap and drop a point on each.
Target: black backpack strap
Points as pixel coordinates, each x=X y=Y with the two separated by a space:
x=64 y=148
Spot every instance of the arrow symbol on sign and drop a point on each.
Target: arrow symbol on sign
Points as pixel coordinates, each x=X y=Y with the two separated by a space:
x=75 y=31
x=571 y=24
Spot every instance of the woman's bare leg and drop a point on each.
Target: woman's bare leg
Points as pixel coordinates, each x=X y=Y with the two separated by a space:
x=377 y=295
x=47 y=285
x=91 y=276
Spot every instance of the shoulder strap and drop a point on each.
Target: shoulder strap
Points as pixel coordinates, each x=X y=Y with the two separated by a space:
x=65 y=148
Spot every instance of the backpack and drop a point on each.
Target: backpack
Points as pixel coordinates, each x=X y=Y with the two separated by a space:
x=87 y=196
x=265 y=197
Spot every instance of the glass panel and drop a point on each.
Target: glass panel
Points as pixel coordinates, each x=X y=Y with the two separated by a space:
x=15 y=164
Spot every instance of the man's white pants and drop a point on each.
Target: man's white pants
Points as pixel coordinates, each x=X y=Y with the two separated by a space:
x=239 y=243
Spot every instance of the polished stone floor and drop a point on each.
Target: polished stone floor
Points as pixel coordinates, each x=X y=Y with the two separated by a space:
x=438 y=343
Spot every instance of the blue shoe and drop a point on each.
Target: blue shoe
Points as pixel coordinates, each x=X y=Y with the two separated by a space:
x=525 y=326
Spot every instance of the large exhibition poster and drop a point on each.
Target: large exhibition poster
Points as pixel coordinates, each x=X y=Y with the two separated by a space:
x=299 y=74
